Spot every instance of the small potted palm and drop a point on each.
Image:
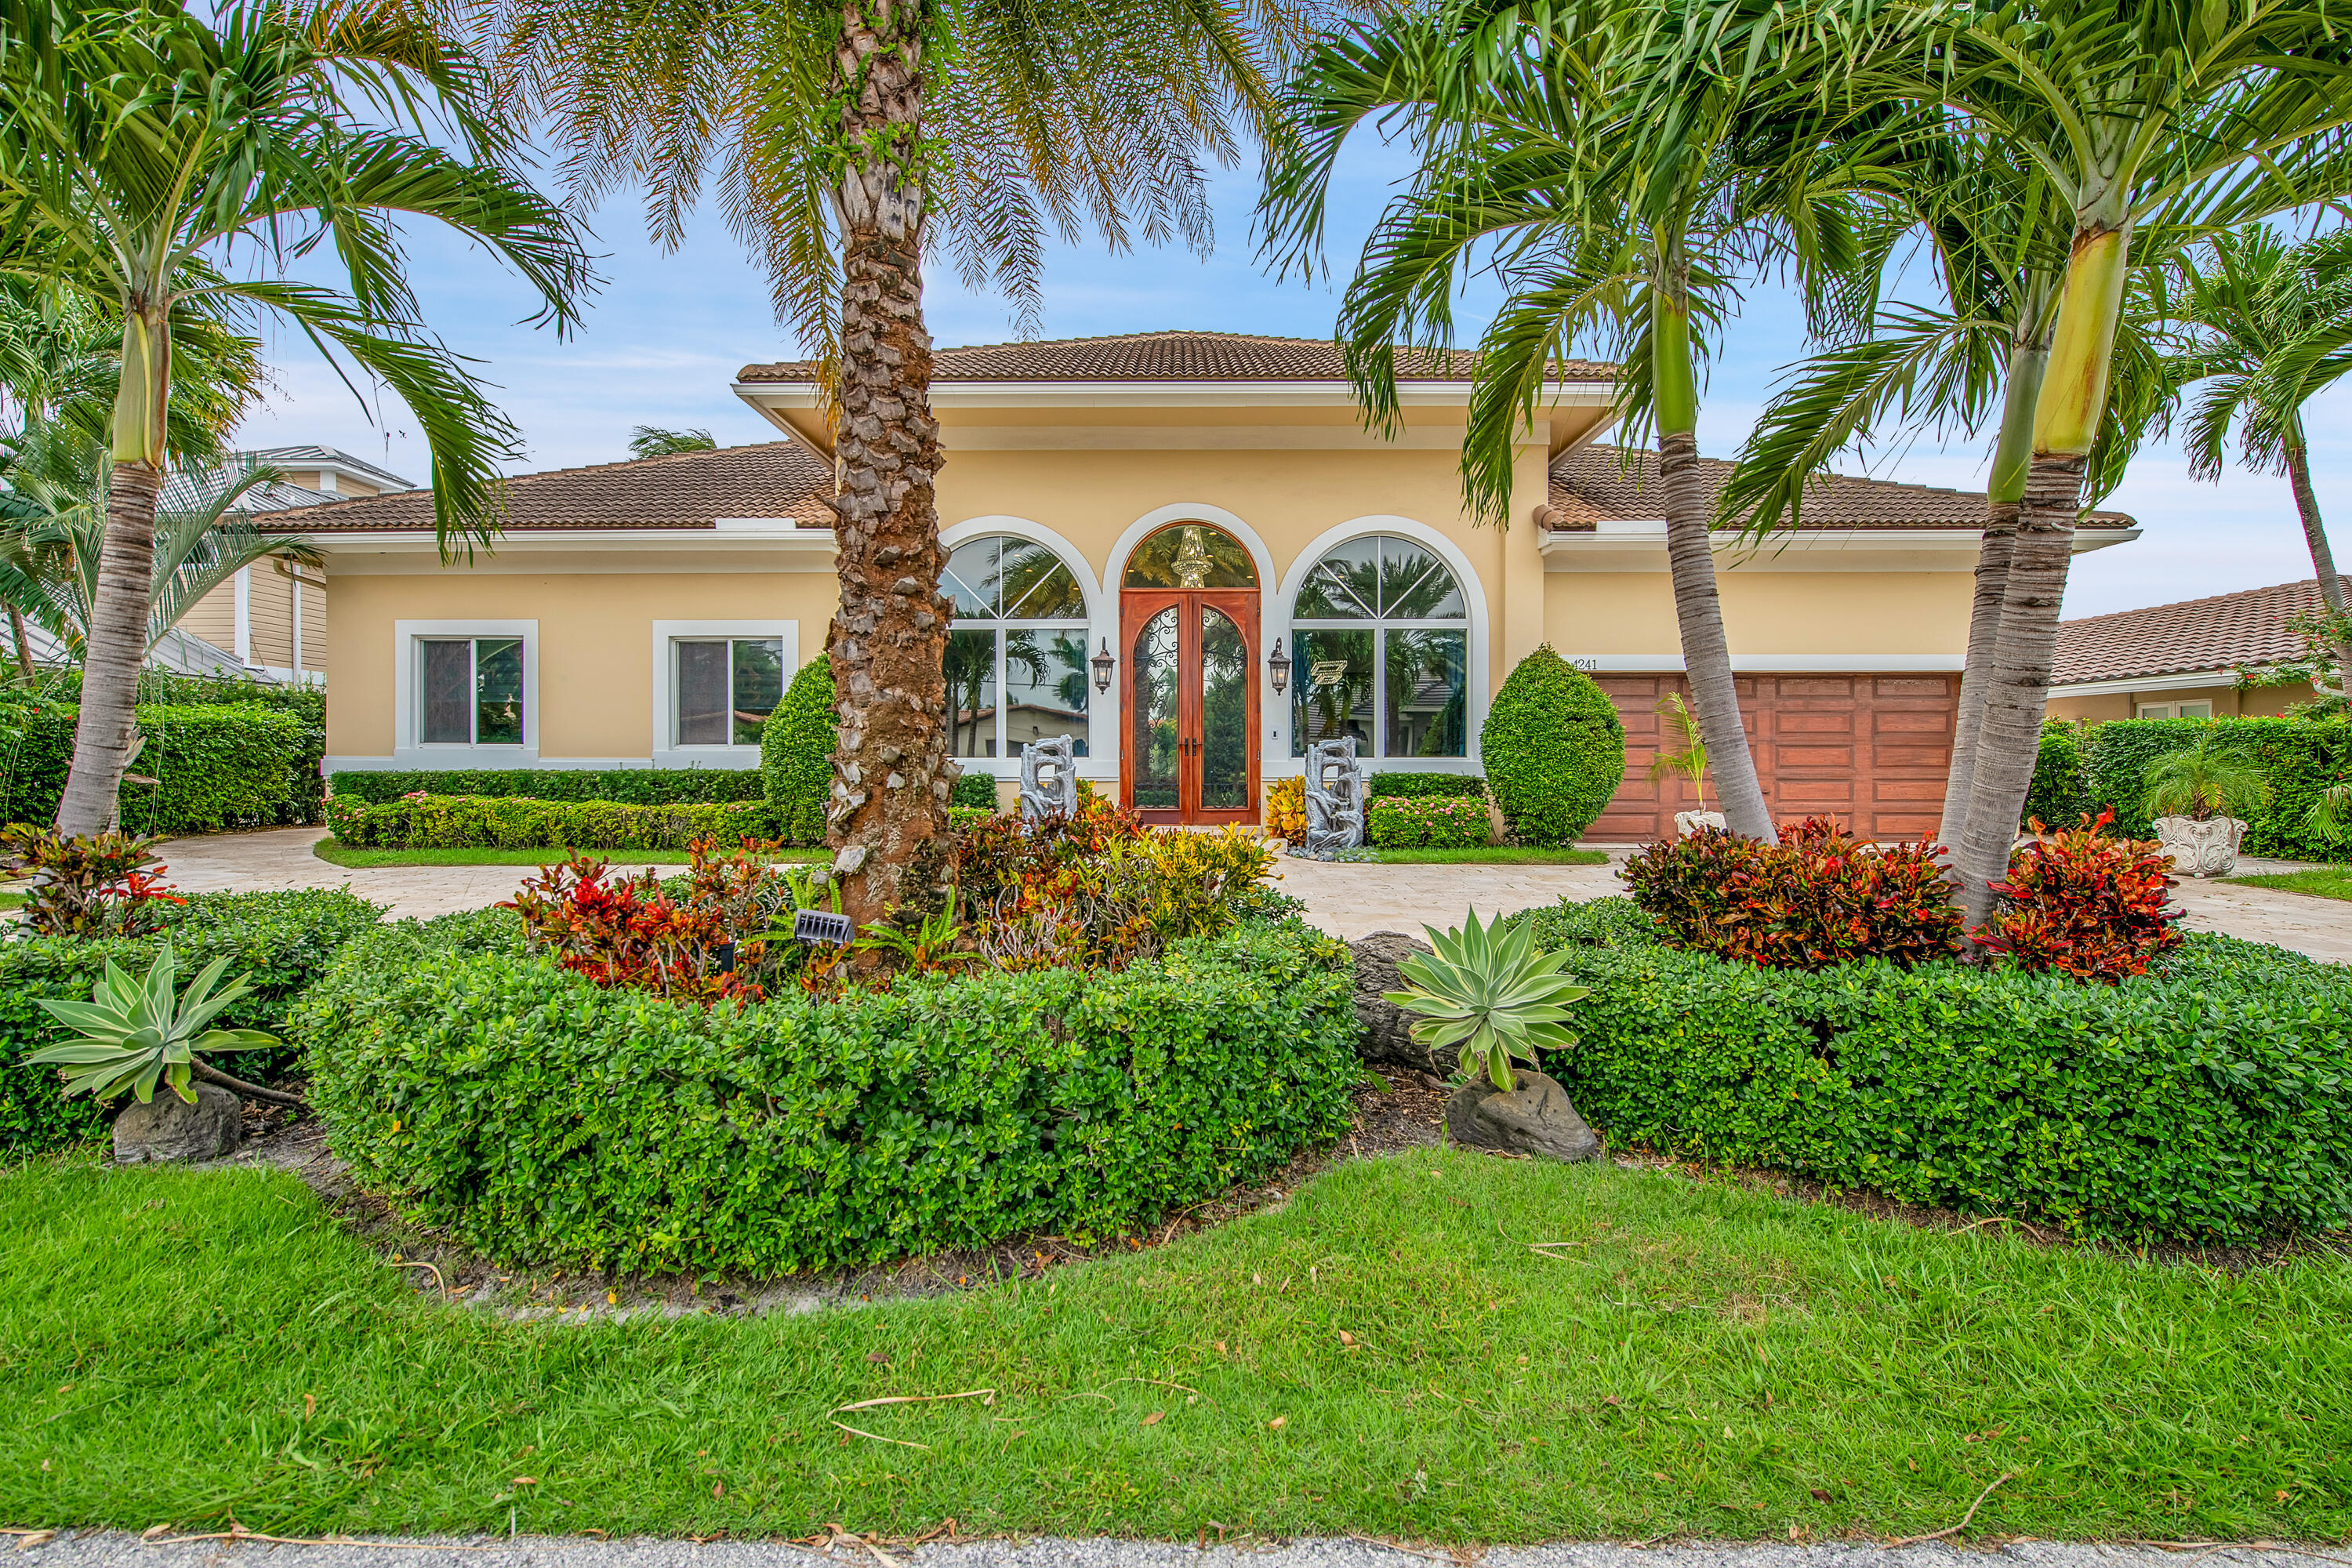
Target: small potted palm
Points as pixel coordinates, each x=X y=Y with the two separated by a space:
x=2198 y=798
x=1690 y=762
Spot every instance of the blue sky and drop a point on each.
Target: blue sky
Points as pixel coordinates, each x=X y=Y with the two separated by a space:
x=666 y=335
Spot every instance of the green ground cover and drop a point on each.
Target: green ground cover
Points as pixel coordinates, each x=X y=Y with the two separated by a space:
x=337 y=853
x=1492 y=855
x=2325 y=882
x=1391 y=1352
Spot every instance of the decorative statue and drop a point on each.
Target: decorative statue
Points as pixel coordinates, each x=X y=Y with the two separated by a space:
x=1335 y=796
x=1049 y=781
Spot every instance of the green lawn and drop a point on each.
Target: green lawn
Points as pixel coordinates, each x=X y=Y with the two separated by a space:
x=11 y=900
x=2326 y=882
x=1493 y=854
x=1391 y=1352
x=335 y=852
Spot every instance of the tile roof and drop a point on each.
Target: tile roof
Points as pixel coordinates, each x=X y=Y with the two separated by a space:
x=1168 y=356
x=684 y=489
x=1595 y=483
x=188 y=488
x=2229 y=631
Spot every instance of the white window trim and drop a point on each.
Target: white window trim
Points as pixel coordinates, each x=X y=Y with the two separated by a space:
x=1102 y=625
x=1279 y=763
x=666 y=752
x=407 y=698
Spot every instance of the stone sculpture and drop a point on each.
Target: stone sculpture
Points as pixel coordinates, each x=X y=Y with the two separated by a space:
x=1335 y=796
x=1049 y=780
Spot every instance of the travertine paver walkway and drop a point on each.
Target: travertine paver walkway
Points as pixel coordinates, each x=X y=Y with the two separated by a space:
x=1344 y=900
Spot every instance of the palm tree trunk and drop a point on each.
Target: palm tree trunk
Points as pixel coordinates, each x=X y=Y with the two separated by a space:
x=1976 y=668
x=1707 y=652
x=24 y=647
x=889 y=642
x=2017 y=687
x=2323 y=560
x=115 y=647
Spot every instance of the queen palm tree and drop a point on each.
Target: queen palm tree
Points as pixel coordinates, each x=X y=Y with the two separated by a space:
x=2133 y=111
x=137 y=144
x=840 y=138
x=1616 y=170
x=2269 y=327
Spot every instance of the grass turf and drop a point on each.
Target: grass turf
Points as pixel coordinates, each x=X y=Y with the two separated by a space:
x=1493 y=854
x=335 y=852
x=2325 y=883
x=1387 y=1352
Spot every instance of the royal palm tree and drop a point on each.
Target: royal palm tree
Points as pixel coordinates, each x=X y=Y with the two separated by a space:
x=1619 y=172
x=2269 y=327
x=137 y=144
x=2133 y=111
x=841 y=137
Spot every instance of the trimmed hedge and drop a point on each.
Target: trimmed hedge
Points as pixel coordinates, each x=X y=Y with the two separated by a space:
x=1426 y=787
x=284 y=940
x=1432 y=823
x=232 y=764
x=973 y=789
x=1555 y=750
x=2300 y=756
x=796 y=753
x=2209 y=1100
x=2058 y=794
x=510 y=822
x=539 y=1116
x=619 y=786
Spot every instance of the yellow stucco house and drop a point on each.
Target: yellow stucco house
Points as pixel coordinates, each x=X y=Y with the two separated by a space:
x=1208 y=511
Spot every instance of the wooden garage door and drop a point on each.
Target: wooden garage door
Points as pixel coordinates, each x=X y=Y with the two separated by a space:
x=1869 y=750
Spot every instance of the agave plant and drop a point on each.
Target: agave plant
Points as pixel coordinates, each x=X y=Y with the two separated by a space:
x=137 y=1034
x=1486 y=989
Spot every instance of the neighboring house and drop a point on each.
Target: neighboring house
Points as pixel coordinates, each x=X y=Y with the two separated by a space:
x=1186 y=503
x=2181 y=661
x=271 y=617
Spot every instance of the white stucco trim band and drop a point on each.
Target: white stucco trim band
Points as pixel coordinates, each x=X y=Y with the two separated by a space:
x=1776 y=663
x=2190 y=682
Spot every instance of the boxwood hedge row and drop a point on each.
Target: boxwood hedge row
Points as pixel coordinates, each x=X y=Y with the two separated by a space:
x=623 y=786
x=2212 y=1102
x=2300 y=757
x=542 y=1118
x=478 y=822
x=285 y=940
x=230 y=764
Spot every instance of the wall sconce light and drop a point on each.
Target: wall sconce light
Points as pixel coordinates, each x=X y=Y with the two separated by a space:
x=1103 y=664
x=1277 y=667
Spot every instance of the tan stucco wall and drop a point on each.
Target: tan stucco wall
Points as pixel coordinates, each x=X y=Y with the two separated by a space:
x=2229 y=702
x=595 y=648
x=1765 y=611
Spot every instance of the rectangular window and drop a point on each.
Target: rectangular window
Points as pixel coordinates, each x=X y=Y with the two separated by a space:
x=972 y=693
x=2193 y=709
x=1427 y=687
x=1331 y=689
x=472 y=690
x=1046 y=677
x=726 y=689
x=2156 y=711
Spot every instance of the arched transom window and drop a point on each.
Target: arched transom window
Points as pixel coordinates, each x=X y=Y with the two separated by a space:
x=1016 y=659
x=1380 y=640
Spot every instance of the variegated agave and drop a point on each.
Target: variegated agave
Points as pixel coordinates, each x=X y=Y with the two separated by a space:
x=1487 y=990
x=136 y=1034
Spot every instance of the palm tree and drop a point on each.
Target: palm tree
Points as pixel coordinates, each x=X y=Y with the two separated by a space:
x=1614 y=169
x=2269 y=327
x=137 y=144
x=840 y=136
x=2134 y=111
x=653 y=441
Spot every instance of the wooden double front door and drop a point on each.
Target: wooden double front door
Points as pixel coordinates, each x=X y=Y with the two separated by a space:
x=1188 y=750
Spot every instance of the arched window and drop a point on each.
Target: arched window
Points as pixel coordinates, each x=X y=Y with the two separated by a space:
x=1379 y=641
x=1016 y=659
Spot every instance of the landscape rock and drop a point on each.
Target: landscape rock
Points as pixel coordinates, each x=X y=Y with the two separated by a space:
x=1387 y=1036
x=1535 y=1117
x=170 y=1128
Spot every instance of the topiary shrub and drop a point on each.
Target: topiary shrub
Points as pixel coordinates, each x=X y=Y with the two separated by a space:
x=975 y=790
x=539 y=1116
x=796 y=753
x=2061 y=777
x=1555 y=750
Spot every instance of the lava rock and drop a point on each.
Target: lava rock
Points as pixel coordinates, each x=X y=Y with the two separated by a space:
x=1535 y=1117
x=170 y=1128
x=1386 y=1037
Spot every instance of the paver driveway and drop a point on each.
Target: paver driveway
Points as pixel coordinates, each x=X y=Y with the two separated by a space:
x=1346 y=900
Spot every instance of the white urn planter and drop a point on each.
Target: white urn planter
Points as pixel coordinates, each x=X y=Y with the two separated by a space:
x=2200 y=849
x=1689 y=822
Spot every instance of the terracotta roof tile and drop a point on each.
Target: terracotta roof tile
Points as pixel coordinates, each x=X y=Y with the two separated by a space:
x=2229 y=631
x=1595 y=483
x=684 y=489
x=1167 y=356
